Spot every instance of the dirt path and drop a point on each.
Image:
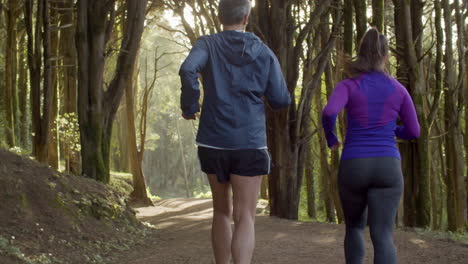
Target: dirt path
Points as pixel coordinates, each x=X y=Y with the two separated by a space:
x=184 y=232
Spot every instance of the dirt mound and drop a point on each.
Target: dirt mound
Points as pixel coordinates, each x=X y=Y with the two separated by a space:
x=49 y=217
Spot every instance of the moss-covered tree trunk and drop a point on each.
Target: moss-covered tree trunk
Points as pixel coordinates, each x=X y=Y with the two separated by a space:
x=23 y=94
x=10 y=97
x=40 y=71
x=466 y=110
x=415 y=154
x=419 y=92
x=96 y=106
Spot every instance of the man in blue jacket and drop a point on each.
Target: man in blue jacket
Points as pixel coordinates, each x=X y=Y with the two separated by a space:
x=239 y=74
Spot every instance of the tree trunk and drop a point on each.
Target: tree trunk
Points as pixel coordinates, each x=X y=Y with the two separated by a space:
x=54 y=54
x=276 y=22
x=437 y=166
x=139 y=195
x=310 y=182
x=456 y=196
x=184 y=163
x=11 y=71
x=378 y=14
x=97 y=107
x=466 y=112
x=335 y=158
x=360 y=7
x=38 y=56
x=23 y=94
x=462 y=84
x=348 y=28
x=264 y=188
x=124 y=160
x=325 y=170
x=69 y=78
x=415 y=155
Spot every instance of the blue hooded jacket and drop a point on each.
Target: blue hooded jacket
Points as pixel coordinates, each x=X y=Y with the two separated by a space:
x=238 y=71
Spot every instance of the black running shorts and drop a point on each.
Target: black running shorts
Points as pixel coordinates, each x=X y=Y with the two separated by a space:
x=243 y=162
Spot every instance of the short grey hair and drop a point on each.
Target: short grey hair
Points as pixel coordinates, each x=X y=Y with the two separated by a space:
x=232 y=12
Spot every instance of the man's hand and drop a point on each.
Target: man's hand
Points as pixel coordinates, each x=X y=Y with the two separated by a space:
x=336 y=146
x=192 y=117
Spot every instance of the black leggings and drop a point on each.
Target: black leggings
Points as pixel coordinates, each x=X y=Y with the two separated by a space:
x=375 y=184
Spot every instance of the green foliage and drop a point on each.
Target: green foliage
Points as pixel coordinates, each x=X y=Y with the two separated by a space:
x=19 y=151
x=207 y=194
x=69 y=131
x=455 y=236
x=121 y=182
x=151 y=196
x=8 y=248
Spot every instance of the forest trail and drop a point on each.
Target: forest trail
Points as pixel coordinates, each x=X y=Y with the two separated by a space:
x=184 y=237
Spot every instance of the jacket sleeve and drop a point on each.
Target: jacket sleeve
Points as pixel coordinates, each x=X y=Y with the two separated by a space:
x=277 y=93
x=192 y=66
x=336 y=103
x=408 y=116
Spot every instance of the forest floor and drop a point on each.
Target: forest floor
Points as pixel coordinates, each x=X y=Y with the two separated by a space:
x=183 y=236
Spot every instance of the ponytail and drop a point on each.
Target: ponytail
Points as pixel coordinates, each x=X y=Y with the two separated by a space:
x=372 y=54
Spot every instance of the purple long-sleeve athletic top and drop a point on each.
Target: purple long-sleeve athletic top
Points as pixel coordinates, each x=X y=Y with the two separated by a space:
x=373 y=102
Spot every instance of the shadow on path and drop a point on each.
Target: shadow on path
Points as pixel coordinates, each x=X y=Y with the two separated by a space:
x=184 y=237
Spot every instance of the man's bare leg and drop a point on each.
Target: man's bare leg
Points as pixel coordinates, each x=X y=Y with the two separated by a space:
x=221 y=231
x=246 y=190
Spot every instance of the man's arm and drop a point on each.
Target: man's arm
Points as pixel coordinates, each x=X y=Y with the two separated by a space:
x=189 y=71
x=277 y=93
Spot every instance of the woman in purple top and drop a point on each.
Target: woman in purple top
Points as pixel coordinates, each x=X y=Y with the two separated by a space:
x=370 y=175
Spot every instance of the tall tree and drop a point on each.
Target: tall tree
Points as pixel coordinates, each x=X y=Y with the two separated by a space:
x=456 y=195
x=378 y=14
x=53 y=152
x=23 y=93
x=348 y=31
x=98 y=106
x=67 y=51
x=437 y=202
x=12 y=11
x=39 y=65
x=466 y=108
x=139 y=194
x=360 y=7
x=415 y=154
x=325 y=168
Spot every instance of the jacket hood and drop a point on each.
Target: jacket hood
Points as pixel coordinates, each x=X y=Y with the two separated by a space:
x=239 y=48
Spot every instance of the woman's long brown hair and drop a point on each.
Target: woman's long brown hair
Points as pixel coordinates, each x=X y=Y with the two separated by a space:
x=372 y=54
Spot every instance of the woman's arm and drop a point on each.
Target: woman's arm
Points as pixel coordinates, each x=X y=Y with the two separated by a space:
x=336 y=103
x=408 y=116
